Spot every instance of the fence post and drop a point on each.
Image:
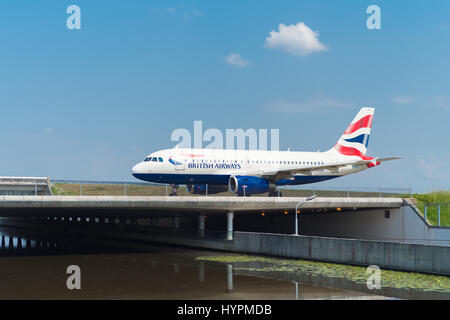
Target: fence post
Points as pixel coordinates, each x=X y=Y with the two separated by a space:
x=439 y=215
x=425 y=212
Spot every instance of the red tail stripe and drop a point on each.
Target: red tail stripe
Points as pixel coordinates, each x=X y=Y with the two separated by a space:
x=348 y=151
x=365 y=122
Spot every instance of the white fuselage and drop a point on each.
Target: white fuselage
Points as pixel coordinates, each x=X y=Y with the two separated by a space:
x=191 y=166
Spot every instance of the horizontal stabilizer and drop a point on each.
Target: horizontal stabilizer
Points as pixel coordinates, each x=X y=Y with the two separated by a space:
x=388 y=159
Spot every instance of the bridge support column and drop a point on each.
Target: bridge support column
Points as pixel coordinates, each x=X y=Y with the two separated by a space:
x=176 y=222
x=201 y=225
x=230 y=217
x=229 y=277
x=201 y=271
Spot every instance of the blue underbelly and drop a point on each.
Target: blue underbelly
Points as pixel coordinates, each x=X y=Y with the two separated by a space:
x=180 y=178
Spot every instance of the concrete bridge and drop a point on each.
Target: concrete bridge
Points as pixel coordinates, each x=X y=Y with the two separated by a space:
x=371 y=230
x=148 y=205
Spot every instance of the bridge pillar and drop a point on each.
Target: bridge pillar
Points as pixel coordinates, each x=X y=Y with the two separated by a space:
x=201 y=271
x=201 y=225
x=176 y=222
x=229 y=277
x=230 y=217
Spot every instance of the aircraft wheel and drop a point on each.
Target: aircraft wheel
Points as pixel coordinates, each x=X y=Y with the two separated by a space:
x=274 y=193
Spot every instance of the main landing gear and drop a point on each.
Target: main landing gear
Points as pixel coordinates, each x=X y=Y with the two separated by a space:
x=275 y=193
x=174 y=190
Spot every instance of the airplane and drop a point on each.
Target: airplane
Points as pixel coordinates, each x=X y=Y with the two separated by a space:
x=247 y=172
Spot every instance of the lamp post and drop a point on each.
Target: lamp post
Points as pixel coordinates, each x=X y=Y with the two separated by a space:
x=243 y=188
x=296 y=210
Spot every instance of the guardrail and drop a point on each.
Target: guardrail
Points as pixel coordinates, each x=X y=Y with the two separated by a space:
x=89 y=187
x=104 y=182
x=436 y=213
x=23 y=180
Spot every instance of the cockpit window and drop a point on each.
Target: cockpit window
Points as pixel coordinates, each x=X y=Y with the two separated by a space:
x=155 y=159
x=160 y=159
x=148 y=159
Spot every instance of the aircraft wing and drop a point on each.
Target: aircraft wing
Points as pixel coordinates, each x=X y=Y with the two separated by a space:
x=287 y=173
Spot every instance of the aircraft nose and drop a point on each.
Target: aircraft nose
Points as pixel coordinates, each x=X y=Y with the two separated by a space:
x=138 y=168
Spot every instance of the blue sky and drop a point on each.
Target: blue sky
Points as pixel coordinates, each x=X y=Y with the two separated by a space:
x=89 y=103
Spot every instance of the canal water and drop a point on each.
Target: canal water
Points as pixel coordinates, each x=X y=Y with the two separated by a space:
x=36 y=268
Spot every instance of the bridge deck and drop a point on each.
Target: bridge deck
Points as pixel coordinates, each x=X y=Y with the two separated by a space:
x=192 y=203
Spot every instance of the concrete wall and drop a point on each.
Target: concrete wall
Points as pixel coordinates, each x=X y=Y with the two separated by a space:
x=404 y=224
x=390 y=255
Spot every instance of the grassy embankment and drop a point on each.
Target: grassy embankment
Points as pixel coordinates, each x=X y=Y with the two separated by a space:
x=140 y=190
x=432 y=200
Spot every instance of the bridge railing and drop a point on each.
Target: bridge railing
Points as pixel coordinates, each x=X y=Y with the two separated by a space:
x=436 y=213
x=87 y=187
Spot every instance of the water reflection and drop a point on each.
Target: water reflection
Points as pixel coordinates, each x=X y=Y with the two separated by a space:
x=113 y=270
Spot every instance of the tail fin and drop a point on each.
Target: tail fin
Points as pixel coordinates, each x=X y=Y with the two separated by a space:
x=355 y=139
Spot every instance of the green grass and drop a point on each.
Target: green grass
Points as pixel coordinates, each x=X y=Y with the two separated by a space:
x=140 y=190
x=432 y=200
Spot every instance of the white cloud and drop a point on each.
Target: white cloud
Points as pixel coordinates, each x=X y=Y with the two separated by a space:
x=403 y=100
x=296 y=39
x=48 y=130
x=198 y=13
x=441 y=102
x=434 y=167
x=317 y=103
x=236 y=60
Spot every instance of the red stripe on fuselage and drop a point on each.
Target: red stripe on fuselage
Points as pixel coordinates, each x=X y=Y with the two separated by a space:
x=192 y=155
x=365 y=122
